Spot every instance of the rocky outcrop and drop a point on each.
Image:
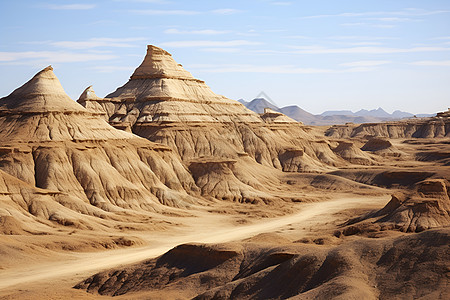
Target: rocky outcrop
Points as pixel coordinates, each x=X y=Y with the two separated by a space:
x=383 y=147
x=434 y=127
x=427 y=206
x=406 y=267
x=351 y=153
x=166 y=104
x=53 y=143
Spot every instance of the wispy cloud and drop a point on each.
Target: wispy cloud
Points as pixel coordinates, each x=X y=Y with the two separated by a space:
x=200 y=32
x=189 y=44
x=271 y=69
x=155 y=12
x=364 y=50
x=225 y=11
x=98 y=42
x=53 y=56
x=393 y=19
x=221 y=50
x=406 y=12
x=112 y=69
x=281 y=3
x=365 y=63
x=436 y=63
x=145 y=1
x=179 y=12
x=75 y=6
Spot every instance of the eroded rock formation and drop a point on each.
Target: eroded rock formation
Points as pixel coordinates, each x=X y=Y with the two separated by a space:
x=166 y=104
x=73 y=156
x=434 y=127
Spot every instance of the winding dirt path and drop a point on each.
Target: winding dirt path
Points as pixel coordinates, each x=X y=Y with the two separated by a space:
x=81 y=265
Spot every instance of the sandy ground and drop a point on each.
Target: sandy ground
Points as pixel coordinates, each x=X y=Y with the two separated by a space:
x=64 y=270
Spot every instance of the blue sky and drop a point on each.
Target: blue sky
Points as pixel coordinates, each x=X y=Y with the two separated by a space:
x=320 y=55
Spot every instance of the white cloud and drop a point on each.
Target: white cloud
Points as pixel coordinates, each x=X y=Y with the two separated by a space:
x=187 y=44
x=111 y=69
x=365 y=63
x=271 y=69
x=364 y=50
x=359 y=37
x=392 y=19
x=53 y=56
x=155 y=12
x=281 y=3
x=75 y=6
x=179 y=12
x=406 y=12
x=145 y=1
x=221 y=50
x=437 y=63
x=296 y=37
x=98 y=42
x=225 y=11
x=200 y=32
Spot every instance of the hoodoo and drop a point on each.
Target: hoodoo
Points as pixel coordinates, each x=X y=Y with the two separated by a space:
x=165 y=103
x=74 y=157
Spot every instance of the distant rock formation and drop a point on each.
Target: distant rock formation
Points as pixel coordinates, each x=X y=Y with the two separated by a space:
x=329 y=117
x=438 y=126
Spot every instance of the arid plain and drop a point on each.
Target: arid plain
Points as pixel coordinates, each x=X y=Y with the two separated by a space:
x=165 y=190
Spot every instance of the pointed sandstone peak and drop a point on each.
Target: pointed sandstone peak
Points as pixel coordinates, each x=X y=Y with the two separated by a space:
x=42 y=93
x=159 y=63
x=40 y=110
x=88 y=94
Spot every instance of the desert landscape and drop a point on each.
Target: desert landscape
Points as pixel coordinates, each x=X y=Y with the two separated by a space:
x=164 y=189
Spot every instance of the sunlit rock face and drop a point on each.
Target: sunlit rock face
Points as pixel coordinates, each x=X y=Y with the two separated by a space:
x=52 y=143
x=166 y=104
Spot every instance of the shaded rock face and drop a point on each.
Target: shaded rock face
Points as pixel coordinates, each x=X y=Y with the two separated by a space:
x=351 y=153
x=426 y=207
x=164 y=103
x=53 y=143
x=434 y=127
x=366 y=269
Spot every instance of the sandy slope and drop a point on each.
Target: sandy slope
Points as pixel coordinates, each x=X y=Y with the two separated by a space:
x=70 y=268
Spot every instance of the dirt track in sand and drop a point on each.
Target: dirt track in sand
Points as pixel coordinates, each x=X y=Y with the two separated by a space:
x=209 y=231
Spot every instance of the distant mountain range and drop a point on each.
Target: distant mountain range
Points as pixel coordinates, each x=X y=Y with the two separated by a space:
x=330 y=117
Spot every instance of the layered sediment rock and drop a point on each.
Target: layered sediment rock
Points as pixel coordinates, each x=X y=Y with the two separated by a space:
x=166 y=104
x=435 y=127
x=427 y=206
x=53 y=143
x=351 y=153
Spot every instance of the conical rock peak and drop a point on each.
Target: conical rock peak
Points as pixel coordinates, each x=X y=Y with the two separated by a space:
x=42 y=93
x=159 y=63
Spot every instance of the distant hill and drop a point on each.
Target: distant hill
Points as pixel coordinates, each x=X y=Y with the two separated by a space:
x=258 y=105
x=330 y=117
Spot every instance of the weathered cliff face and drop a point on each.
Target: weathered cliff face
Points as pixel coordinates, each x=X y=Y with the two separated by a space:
x=166 y=104
x=435 y=127
x=51 y=142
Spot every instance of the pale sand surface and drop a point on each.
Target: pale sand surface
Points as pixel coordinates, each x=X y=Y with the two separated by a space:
x=67 y=269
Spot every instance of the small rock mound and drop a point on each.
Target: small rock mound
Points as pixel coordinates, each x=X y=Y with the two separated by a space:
x=351 y=153
x=376 y=144
x=426 y=207
x=382 y=146
x=216 y=178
